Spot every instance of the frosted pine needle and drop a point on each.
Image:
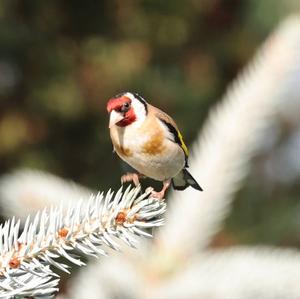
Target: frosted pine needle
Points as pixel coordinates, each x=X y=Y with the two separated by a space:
x=89 y=228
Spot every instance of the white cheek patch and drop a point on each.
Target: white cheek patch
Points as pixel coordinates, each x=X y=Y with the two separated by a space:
x=139 y=110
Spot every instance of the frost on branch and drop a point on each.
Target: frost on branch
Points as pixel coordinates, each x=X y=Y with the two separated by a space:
x=88 y=228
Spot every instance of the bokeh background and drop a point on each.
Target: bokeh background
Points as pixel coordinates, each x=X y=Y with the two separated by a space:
x=61 y=60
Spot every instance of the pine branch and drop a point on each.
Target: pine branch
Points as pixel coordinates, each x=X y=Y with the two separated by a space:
x=233 y=133
x=235 y=273
x=242 y=272
x=88 y=228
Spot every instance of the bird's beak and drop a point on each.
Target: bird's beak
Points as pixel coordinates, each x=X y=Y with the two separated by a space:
x=115 y=117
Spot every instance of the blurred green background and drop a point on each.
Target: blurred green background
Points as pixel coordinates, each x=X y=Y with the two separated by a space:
x=61 y=60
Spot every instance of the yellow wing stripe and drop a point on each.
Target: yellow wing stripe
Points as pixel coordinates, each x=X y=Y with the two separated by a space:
x=177 y=136
x=184 y=147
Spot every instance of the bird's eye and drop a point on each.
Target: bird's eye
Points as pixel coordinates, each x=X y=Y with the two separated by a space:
x=125 y=107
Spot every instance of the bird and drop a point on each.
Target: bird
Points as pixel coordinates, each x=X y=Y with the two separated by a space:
x=149 y=141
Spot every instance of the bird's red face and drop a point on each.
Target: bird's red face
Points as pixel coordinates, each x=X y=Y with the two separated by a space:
x=121 y=111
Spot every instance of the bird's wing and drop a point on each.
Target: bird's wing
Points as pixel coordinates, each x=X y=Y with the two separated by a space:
x=172 y=127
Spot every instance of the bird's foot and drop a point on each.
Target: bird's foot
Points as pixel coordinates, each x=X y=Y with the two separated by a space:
x=157 y=195
x=131 y=177
x=161 y=194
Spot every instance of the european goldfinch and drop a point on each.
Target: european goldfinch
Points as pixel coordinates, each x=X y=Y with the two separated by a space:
x=149 y=141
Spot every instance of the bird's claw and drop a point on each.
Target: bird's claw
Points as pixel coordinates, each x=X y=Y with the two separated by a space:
x=131 y=177
x=149 y=190
x=154 y=194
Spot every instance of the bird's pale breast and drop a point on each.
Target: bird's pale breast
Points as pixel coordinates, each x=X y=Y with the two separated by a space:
x=148 y=151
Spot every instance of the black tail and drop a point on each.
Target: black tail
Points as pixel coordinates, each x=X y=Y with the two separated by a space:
x=183 y=180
